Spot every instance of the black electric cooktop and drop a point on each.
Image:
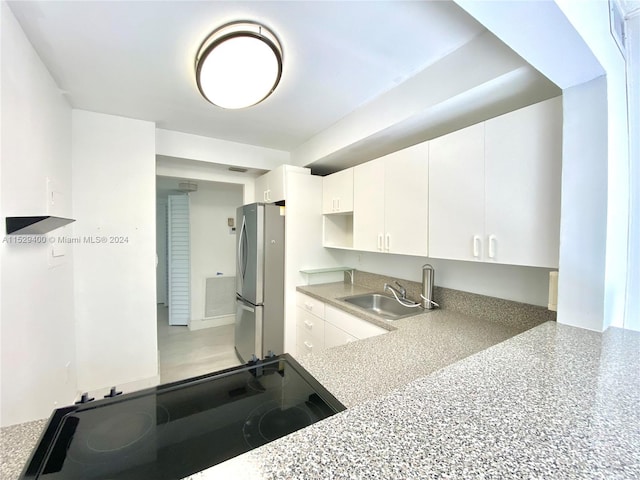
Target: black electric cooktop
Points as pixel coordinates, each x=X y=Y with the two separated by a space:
x=174 y=430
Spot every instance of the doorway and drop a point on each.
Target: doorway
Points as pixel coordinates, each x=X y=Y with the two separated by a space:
x=203 y=342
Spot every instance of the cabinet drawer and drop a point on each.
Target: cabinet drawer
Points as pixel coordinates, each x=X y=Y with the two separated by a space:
x=310 y=325
x=307 y=344
x=352 y=325
x=333 y=336
x=310 y=304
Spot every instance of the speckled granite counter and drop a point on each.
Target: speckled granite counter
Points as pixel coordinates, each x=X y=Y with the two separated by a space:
x=16 y=443
x=415 y=347
x=553 y=402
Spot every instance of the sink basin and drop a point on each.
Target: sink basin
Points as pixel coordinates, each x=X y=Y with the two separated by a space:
x=386 y=307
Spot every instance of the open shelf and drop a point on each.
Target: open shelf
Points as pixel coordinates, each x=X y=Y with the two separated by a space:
x=36 y=225
x=338 y=230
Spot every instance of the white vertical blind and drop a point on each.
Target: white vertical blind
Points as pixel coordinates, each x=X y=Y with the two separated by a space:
x=179 y=260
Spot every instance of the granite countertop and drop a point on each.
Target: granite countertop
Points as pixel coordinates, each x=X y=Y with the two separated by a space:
x=414 y=347
x=551 y=402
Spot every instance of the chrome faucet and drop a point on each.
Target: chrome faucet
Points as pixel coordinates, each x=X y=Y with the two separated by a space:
x=400 y=290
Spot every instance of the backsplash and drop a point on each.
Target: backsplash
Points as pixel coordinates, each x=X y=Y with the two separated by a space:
x=497 y=310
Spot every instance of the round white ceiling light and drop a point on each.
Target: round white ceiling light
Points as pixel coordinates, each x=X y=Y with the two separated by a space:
x=239 y=65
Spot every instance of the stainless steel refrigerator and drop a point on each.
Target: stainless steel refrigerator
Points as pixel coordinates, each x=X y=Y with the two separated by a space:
x=259 y=327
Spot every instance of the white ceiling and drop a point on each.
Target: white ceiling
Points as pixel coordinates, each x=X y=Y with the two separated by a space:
x=135 y=58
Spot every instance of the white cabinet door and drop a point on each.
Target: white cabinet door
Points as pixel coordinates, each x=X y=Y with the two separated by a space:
x=270 y=187
x=354 y=326
x=277 y=185
x=337 y=192
x=368 y=206
x=523 y=157
x=334 y=336
x=309 y=332
x=456 y=194
x=406 y=200
x=310 y=304
x=262 y=187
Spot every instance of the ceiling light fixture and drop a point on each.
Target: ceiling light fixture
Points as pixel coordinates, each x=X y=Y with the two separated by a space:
x=239 y=65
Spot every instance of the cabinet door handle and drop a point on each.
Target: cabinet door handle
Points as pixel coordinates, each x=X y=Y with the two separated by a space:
x=264 y=195
x=387 y=245
x=476 y=246
x=380 y=241
x=492 y=246
x=308 y=324
x=308 y=345
x=308 y=306
x=337 y=204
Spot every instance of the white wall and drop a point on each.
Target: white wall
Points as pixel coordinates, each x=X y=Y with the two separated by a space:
x=38 y=366
x=632 y=311
x=114 y=197
x=213 y=245
x=581 y=282
x=592 y=22
x=221 y=152
x=303 y=237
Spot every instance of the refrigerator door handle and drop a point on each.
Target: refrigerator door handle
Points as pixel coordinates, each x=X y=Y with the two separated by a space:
x=242 y=254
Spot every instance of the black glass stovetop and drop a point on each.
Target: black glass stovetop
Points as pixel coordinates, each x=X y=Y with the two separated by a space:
x=175 y=430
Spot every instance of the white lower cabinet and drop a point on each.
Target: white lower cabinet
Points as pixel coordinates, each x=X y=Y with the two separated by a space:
x=309 y=324
x=353 y=326
x=333 y=336
x=320 y=326
x=309 y=332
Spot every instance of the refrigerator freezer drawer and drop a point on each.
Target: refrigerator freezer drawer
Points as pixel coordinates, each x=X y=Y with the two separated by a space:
x=248 y=330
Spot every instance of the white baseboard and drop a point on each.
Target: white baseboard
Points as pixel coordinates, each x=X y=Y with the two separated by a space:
x=212 y=322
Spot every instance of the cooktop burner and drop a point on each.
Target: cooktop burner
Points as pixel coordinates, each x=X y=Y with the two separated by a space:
x=175 y=430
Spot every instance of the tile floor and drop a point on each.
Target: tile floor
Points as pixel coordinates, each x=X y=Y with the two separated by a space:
x=185 y=354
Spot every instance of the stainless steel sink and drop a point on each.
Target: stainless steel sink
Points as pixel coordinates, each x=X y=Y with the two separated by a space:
x=386 y=307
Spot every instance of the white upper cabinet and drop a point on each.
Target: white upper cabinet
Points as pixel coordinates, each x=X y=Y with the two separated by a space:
x=456 y=194
x=494 y=189
x=368 y=206
x=391 y=203
x=262 y=187
x=523 y=167
x=337 y=192
x=271 y=187
x=406 y=199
